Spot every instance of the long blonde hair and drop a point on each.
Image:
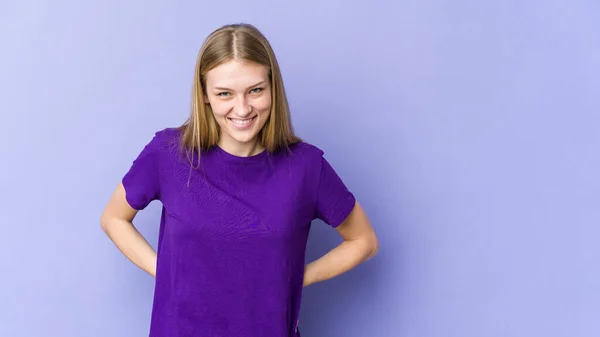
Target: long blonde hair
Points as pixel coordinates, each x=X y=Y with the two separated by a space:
x=240 y=42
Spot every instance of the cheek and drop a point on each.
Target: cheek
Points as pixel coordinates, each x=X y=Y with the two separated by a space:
x=219 y=109
x=263 y=104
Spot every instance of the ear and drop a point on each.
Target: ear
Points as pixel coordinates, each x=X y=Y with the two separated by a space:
x=205 y=99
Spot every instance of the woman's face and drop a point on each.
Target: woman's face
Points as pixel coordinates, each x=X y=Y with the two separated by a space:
x=239 y=94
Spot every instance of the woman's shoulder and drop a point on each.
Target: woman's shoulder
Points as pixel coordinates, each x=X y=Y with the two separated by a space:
x=166 y=139
x=169 y=133
x=303 y=147
x=305 y=151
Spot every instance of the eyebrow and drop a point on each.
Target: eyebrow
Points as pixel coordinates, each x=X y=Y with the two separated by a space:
x=252 y=86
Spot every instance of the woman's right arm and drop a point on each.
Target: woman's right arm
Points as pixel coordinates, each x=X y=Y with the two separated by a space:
x=116 y=222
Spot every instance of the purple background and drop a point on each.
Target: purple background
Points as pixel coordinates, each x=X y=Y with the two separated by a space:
x=469 y=130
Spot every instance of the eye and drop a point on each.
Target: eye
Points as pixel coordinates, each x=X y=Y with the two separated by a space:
x=256 y=90
x=223 y=94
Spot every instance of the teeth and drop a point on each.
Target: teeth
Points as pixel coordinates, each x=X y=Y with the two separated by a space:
x=241 y=121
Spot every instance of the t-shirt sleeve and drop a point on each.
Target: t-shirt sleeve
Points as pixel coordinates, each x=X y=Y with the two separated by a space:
x=334 y=200
x=141 y=182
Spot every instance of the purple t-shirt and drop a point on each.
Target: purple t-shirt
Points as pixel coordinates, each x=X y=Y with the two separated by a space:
x=232 y=239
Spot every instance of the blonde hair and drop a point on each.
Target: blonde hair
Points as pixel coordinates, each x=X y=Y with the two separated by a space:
x=239 y=42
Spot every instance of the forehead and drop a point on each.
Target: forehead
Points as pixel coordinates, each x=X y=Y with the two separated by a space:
x=236 y=74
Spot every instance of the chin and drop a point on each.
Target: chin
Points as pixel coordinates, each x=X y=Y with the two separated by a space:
x=242 y=139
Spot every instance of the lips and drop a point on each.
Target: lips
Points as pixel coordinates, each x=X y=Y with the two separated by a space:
x=242 y=123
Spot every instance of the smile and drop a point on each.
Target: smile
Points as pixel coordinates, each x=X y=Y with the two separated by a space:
x=242 y=123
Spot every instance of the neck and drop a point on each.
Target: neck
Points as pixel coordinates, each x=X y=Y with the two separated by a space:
x=241 y=150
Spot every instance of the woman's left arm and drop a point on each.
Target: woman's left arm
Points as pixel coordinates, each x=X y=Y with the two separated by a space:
x=360 y=244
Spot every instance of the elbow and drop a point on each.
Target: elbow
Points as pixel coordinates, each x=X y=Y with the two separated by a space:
x=106 y=222
x=373 y=247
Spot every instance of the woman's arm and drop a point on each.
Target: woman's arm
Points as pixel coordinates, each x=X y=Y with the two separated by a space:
x=116 y=222
x=360 y=244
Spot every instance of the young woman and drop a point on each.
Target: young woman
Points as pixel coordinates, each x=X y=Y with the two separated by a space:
x=239 y=191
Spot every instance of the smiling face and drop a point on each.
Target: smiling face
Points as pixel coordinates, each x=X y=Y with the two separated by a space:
x=239 y=95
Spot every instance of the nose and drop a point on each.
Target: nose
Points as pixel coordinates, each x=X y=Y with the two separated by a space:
x=242 y=107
